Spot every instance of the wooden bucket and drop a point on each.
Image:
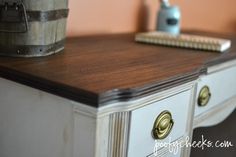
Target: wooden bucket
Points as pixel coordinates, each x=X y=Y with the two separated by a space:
x=32 y=28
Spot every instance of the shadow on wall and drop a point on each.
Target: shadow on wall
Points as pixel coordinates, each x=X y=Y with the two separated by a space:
x=232 y=25
x=106 y=16
x=143 y=17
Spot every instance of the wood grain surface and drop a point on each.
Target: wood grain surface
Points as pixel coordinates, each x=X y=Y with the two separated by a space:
x=98 y=70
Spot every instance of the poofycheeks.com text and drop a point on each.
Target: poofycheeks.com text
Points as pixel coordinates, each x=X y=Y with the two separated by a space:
x=175 y=147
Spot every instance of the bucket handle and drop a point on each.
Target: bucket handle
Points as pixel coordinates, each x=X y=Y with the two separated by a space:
x=18 y=4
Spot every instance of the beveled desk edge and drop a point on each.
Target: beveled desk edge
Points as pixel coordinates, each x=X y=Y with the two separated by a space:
x=114 y=95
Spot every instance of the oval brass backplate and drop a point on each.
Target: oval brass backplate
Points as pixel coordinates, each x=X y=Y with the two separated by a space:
x=204 y=96
x=162 y=125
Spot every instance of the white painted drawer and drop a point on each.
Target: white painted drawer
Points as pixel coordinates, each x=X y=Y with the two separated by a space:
x=222 y=85
x=141 y=142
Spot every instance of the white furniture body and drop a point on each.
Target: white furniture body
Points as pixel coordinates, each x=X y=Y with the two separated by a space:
x=34 y=123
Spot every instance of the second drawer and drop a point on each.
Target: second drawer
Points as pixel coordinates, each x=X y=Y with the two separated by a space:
x=141 y=141
x=221 y=85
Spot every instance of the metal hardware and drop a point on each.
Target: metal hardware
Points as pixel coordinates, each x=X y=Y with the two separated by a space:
x=45 y=16
x=204 y=96
x=163 y=125
x=13 y=11
x=32 y=50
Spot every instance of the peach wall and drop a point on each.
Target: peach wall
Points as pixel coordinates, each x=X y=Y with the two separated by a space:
x=112 y=16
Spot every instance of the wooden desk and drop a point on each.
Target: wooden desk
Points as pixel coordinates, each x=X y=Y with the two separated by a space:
x=102 y=95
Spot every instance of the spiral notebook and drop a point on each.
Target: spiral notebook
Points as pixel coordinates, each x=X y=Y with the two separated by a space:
x=184 y=41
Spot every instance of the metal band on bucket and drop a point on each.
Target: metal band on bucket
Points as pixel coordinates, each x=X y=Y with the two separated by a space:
x=31 y=50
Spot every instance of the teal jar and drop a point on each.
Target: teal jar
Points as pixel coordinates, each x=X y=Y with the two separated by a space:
x=168 y=19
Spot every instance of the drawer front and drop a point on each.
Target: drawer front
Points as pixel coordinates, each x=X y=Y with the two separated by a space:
x=141 y=141
x=222 y=86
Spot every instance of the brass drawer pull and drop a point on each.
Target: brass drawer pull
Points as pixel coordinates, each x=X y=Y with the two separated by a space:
x=204 y=96
x=163 y=125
